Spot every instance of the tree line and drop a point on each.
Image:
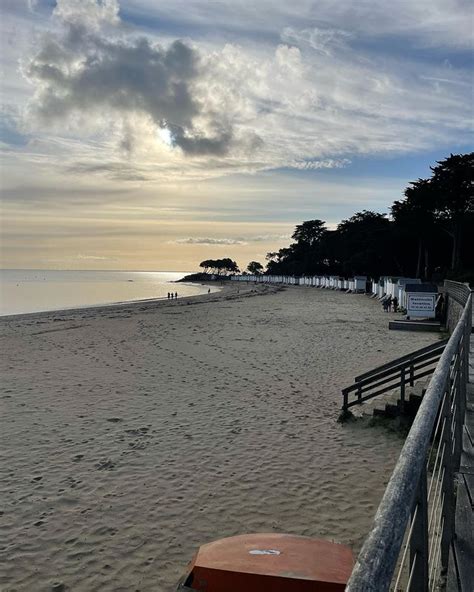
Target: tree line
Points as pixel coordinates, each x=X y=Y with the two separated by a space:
x=219 y=266
x=429 y=234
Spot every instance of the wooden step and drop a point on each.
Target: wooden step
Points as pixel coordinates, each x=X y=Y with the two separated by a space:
x=404 y=325
x=394 y=409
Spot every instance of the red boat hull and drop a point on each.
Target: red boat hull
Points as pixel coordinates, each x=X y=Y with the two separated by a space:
x=270 y=563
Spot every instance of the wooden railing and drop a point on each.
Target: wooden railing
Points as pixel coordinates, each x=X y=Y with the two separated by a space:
x=398 y=373
x=408 y=546
x=457 y=291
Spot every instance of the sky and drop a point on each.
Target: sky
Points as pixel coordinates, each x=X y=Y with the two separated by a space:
x=153 y=134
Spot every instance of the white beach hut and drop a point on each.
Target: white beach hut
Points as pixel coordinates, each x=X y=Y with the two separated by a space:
x=401 y=289
x=360 y=282
x=421 y=300
x=391 y=287
x=382 y=288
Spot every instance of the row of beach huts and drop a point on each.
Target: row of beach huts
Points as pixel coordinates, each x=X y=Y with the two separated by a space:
x=386 y=286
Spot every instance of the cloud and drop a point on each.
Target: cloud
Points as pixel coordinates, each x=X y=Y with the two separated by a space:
x=32 y=5
x=94 y=257
x=90 y=14
x=113 y=170
x=209 y=241
x=330 y=163
x=148 y=109
x=323 y=40
x=231 y=241
x=429 y=22
x=268 y=237
x=81 y=72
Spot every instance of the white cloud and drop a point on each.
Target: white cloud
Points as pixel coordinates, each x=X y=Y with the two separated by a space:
x=231 y=241
x=91 y=14
x=80 y=74
x=209 y=241
x=94 y=257
x=156 y=110
x=32 y=5
x=428 y=22
x=306 y=165
x=322 y=40
x=124 y=147
x=106 y=109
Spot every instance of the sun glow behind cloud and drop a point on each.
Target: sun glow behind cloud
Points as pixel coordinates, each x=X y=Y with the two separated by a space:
x=165 y=136
x=111 y=108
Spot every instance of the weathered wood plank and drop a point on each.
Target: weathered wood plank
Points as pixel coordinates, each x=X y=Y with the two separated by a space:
x=467 y=455
x=438 y=347
x=452 y=581
x=469 y=423
x=401 y=325
x=469 y=479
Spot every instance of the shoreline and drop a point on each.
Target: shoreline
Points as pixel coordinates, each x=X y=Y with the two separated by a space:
x=133 y=434
x=106 y=306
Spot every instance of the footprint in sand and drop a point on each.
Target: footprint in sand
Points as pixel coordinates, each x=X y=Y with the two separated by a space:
x=105 y=465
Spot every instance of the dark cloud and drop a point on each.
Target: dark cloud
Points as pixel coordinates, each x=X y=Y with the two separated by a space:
x=198 y=144
x=85 y=72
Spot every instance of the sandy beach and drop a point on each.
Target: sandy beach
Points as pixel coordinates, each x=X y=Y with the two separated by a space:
x=132 y=434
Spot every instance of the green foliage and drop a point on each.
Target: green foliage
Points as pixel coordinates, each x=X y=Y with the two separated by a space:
x=310 y=232
x=429 y=234
x=255 y=268
x=219 y=266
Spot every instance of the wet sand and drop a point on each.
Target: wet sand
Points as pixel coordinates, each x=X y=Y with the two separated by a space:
x=130 y=435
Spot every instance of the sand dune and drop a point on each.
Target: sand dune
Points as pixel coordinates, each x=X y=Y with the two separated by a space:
x=132 y=434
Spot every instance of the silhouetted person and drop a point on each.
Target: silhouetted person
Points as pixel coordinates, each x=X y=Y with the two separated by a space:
x=169 y=295
x=395 y=304
x=176 y=294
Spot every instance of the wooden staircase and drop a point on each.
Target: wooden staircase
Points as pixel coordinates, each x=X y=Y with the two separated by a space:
x=409 y=409
x=393 y=384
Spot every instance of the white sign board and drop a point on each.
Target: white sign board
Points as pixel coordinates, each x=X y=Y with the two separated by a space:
x=421 y=304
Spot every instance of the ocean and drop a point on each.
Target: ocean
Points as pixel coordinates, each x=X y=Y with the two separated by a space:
x=35 y=290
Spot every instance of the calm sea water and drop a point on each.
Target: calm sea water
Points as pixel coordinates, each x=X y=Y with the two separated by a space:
x=23 y=291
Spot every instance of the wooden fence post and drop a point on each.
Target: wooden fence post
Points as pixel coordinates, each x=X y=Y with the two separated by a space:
x=402 y=389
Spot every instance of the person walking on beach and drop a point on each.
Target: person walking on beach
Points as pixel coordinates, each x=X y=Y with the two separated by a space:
x=169 y=295
x=176 y=295
x=395 y=304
